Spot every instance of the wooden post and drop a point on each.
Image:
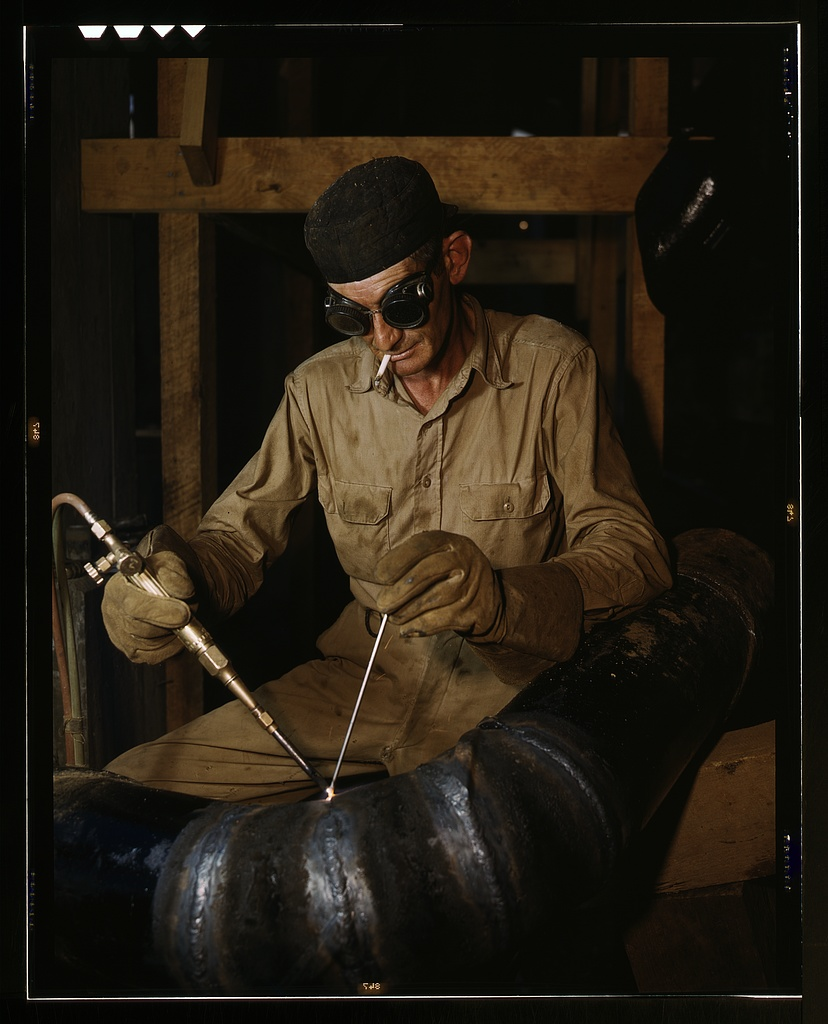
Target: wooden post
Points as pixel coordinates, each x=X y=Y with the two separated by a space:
x=707 y=919
x=599 y=254
x=583 y=238
x=188 y=378
x=199 y=119
x=186 y=247
x=603 y=302
x=644 y=357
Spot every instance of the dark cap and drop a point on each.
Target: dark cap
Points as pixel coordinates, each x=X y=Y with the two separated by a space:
x=373 y=216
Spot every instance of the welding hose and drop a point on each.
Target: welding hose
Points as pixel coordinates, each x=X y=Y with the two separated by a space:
x=439 y=877
x=64 y=639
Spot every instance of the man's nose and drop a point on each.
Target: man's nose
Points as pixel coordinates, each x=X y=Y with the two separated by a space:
x=385 y=336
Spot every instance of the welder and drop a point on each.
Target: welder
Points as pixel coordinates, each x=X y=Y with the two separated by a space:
x=474 y=486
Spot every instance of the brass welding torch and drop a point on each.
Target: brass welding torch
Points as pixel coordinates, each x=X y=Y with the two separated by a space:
x=194 y=637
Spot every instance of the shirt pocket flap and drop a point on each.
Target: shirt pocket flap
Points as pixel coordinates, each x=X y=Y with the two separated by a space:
x=364 y=504
x=514 y=500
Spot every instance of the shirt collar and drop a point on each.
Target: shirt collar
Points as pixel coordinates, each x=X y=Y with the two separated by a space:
x=484 y=356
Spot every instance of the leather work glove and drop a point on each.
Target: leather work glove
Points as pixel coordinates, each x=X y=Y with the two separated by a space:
x=521 y=620
x=436 y=581
x=543 y=621
x=141 y=624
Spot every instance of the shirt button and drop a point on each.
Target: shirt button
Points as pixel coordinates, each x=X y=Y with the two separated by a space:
x=426 y=481
x=508 y=506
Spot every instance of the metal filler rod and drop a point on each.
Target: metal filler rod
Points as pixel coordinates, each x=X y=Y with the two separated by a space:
x=193 y=635
x=330 y=789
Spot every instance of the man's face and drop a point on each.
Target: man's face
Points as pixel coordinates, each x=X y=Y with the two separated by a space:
x=412 y=350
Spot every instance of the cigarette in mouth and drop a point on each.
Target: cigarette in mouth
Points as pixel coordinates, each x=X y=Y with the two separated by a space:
x=382 y=367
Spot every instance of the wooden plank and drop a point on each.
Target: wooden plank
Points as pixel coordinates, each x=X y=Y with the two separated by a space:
x=187 y=339
x=711 y=940
x=727 y=831
x=188 y=435
x=296 y=75
x=566 y=175
x=199 y=119
x=172 y=76
x=522 y=261
x=188 y=382
x=583 y=234
x=649 y=80
x=603 y=301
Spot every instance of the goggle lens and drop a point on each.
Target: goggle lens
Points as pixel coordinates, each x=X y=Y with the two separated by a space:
x=405 y=305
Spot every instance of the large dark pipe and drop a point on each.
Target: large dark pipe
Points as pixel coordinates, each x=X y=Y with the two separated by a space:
x=429 y=881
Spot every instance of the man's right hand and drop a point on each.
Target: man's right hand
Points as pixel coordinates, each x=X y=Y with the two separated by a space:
x=141 y=624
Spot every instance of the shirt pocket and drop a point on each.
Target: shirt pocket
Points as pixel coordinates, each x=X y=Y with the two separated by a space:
x=512 y=522
x=514 y=500
x=357 y=516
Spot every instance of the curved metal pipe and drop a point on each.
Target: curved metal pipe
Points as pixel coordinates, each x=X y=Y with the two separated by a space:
x=432 y=880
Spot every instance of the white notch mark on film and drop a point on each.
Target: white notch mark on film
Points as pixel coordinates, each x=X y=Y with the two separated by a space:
x=133 y=31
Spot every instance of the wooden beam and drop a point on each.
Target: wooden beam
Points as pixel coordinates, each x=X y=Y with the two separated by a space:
x=187 y=330
x=603 y=301
x=564 y=175
x=708 y=940
x=523 y=261
x=706 y=922
x=598 y=254
x=188 y=377
x=648 y=102
x=727 y=829
x=199 y=119
x=172 y=78
x=583 y=234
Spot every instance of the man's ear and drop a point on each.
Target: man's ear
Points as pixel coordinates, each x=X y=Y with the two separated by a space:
x=457 y=249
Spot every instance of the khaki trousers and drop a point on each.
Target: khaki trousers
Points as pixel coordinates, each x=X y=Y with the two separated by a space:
x=422 y=695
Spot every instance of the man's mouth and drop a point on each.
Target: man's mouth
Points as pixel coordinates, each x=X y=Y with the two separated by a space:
x=397 y=356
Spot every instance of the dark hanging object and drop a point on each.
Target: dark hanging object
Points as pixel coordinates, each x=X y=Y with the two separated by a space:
x=432 y=881
x=687 y=220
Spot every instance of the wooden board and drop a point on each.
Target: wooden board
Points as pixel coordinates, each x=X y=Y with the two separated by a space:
x=709 y=940
x=708 y=923
x=563 y=175
x=649 y=95
x=199 y=119
x=727 y=829
x=186 y=272
x=522 y=261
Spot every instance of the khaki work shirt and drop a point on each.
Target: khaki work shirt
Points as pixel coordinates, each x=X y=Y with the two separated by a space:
x=519 y=453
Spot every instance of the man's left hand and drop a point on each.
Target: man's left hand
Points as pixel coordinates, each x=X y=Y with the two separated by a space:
x=435 y=581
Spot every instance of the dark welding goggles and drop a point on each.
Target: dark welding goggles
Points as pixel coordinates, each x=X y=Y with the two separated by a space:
x=405 y=305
